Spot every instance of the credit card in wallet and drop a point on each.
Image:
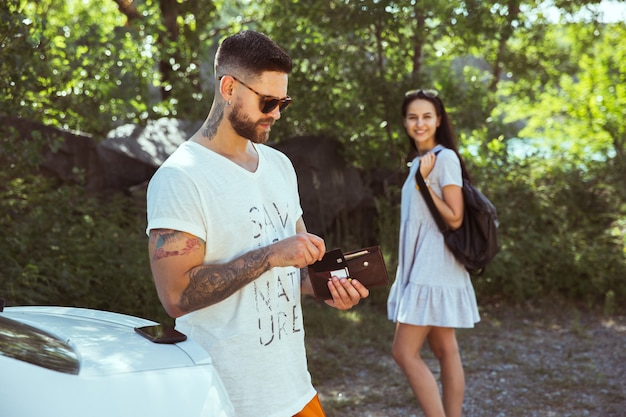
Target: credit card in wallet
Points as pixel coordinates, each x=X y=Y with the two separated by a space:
x=333 y=263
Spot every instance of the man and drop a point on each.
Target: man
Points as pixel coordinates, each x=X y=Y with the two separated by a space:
x=227 y=239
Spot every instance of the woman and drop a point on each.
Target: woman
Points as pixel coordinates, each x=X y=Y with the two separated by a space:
x=432 y=294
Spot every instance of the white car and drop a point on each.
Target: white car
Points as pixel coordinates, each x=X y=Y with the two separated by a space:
x=74 y=362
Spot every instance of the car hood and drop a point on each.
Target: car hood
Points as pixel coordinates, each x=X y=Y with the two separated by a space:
x=105 y=342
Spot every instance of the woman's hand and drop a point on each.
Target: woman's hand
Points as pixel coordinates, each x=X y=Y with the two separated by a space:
x=427 y=162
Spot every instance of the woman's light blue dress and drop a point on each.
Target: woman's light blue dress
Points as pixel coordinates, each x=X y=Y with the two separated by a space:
x=431 y=287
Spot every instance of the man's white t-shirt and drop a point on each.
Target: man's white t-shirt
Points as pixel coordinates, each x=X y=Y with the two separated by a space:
x=256 y=336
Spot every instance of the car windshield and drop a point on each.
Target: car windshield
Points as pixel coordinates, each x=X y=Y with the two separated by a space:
x=29 y=344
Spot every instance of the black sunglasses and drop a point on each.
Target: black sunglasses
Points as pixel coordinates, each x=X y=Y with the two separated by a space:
x=427 y=93
x=267 y=103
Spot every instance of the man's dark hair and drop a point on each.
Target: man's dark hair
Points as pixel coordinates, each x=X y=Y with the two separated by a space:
x=250 y=52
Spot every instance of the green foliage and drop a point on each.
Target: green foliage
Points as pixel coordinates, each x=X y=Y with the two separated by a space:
x=91 y=69
x=65 y=248
x=86 y=68
x=538 y=107
x=558 y=229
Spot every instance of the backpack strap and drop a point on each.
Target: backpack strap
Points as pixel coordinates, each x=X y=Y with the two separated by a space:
x=443 y=228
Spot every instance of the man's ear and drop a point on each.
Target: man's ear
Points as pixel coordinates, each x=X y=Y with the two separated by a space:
x=226 y=86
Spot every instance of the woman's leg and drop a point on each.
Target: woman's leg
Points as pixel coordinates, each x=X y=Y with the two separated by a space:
x=442 y=341
x=407 y=344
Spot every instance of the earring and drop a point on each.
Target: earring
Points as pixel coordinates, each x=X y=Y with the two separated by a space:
x=228 y=102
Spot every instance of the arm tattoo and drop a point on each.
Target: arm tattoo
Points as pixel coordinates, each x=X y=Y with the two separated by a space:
x=210 y=284
x=189 y=244
x=215 y=118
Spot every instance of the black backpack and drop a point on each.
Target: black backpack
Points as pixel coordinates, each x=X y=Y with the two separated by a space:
x=475 y=243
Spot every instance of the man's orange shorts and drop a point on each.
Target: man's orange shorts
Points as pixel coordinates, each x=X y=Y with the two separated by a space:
x=312 y=409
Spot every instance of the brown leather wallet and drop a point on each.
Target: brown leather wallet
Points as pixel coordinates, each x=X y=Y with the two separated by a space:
x=365 y=265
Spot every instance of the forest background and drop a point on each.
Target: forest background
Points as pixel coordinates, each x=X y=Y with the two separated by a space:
x=536 y=90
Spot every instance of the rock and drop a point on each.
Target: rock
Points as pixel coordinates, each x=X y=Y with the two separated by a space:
x=333 y=194
x=328 y=184
x=150 y=144
x=132 y=153
x=69 y=156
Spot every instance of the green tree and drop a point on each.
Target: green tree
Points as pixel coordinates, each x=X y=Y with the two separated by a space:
x=573 y=174
x=508 y=74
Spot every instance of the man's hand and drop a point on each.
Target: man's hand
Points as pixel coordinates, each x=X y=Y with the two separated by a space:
x=346 y=293
x=300 y=250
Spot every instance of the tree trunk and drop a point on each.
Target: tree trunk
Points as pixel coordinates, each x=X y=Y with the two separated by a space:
x=418 y=45
x=507 y=32
x=128 y=8
x=169 y=12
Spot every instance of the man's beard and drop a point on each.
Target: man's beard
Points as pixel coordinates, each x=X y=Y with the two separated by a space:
x=246 y=127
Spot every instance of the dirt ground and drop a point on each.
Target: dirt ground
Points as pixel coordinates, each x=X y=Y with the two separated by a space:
x=550 y=362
